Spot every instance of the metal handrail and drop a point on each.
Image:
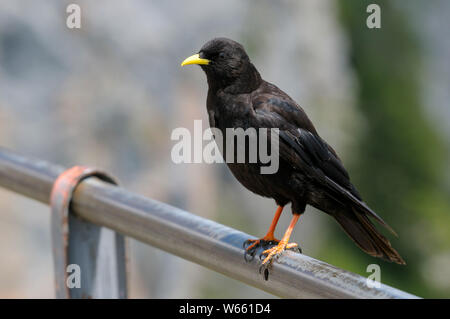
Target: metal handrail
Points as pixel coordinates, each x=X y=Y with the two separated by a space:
x=186 y=235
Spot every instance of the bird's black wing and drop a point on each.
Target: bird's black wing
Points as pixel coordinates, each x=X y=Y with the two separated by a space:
x=305 y=150
x=300 y=135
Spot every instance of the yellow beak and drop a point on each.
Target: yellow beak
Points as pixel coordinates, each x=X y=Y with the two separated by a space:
x=194 y=59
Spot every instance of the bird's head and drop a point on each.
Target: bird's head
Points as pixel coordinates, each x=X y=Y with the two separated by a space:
x=225 y=62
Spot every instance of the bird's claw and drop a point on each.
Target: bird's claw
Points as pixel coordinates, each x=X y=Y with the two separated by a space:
x=295 y=248
x=267 y=262
x=275 y=252
x=251 y=246
x=264 y=270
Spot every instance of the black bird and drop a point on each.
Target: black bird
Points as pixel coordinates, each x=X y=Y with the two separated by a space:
x=310 y=172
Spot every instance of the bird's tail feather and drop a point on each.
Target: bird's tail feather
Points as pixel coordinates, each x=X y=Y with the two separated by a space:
x=361 y=230
x=359 y=204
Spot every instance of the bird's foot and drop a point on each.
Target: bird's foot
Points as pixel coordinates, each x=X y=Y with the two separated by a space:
x=252 y=245
x=275 y=252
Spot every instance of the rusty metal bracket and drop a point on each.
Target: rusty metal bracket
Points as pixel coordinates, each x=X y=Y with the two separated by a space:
x=89 y=260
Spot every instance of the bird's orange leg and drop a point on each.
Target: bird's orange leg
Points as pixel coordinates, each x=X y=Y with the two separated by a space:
x=283 y=244
x=269 y=237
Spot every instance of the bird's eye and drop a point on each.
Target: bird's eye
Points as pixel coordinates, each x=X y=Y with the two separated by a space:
x=221 y=55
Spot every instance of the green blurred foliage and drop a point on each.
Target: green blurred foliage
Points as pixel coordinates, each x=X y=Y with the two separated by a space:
x=400 y=162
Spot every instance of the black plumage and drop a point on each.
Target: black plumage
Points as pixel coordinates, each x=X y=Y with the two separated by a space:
x=310 y=172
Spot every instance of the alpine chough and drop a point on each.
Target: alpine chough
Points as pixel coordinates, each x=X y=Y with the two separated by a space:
x=310 y=172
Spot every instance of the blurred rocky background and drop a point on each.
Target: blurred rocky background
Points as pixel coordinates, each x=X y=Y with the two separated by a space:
x=110 y=94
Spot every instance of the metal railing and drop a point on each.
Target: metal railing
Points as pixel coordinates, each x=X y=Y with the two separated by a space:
x=178 y=232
